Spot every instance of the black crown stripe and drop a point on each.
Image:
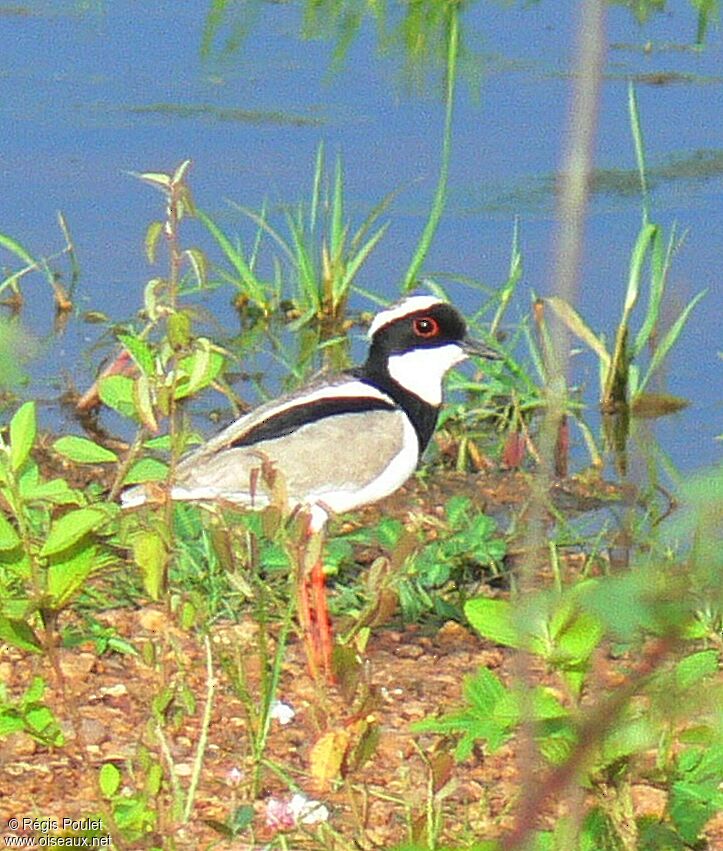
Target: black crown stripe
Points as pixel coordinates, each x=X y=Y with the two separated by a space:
x=291 y=419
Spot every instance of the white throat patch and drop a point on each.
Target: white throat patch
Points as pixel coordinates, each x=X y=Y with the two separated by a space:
x=421 y=371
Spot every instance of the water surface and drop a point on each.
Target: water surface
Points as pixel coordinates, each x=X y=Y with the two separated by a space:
x=92 y=91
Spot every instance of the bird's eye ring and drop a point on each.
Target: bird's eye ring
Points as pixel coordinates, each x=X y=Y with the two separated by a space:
x=426 y=327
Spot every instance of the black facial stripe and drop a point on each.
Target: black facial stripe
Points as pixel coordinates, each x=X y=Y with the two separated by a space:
x=291 y=419
x=399 y=336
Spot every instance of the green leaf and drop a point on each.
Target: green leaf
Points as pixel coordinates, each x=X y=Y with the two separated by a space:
x=179 y=329
x=484 y=690
x=199 y=369
x=158 y=179
x=55 y=492
x=247 y=281
x=358 y=259
x=694 y=668
x=10 y=722
x=146 y=470
x=66 y=577
x=23 y=428
x=83 y=451
x=109 y=779
x=637 y=261
x=70 y=528
x=630 y=735
x=143 y=403
x=151 y=555
x=140 y=351
x=33 y=693
x=9 y=538
x=19 y=634
x=17 y=249
x=153 y=233
x=696 y=797
x=199 y=264
x=43 y=726
x=116 y=391
x=659 y=264
x=242 y=818
x=19 y=608
x=456 y=510
x=576 y=640
x=494 y=619
x=179 y=175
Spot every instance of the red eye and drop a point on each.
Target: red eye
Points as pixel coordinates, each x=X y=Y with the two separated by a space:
x=425 y=327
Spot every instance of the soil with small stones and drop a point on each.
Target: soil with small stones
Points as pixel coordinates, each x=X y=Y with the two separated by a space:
x=351 y=748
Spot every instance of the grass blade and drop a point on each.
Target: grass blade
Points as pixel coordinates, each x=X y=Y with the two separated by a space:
x=369 y=221
x=637 y=261
x=513 y=278
x=637 y=132
x=669 y=340
x=247 y=280
x=14 y=247
x=337 y=230
x=660 y=265
x=358 y=259
x=567 y=314
x=304 y=263
x=263 y=225
x=316 y=188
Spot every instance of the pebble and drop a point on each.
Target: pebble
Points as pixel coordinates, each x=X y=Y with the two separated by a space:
x=409 y=651
x=117 y=690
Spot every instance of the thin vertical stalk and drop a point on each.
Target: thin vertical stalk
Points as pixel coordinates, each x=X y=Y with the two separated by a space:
x=176 y=195
x=203 y=735
x=576 y=168
x=440 y=196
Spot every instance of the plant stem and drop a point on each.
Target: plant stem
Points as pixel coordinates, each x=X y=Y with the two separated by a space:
x=440 y=197
x=575 y=172
x=203 y=736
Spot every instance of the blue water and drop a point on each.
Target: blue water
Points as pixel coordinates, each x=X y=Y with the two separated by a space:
x=78 y=82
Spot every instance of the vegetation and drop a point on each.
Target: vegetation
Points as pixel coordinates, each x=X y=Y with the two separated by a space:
x=607 y=679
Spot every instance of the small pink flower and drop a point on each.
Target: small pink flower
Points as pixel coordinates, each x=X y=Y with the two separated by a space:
x=279 y=814
x=287 y=813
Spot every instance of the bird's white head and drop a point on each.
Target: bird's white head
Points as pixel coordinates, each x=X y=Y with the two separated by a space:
x=418 y=340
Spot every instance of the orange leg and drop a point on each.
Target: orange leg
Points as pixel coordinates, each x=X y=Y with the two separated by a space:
x=314 y=618
x=306 y=623
x=323 y=638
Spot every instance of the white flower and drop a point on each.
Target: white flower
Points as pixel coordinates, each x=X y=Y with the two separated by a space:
x=281 y=712
x=307 y=811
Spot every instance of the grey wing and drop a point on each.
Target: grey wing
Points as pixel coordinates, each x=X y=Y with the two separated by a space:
x=237 y=429
x=343 y=461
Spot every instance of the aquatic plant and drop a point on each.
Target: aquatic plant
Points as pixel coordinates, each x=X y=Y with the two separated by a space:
x=622 y=381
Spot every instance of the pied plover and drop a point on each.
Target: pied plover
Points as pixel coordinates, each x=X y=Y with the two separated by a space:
x=341 y=442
